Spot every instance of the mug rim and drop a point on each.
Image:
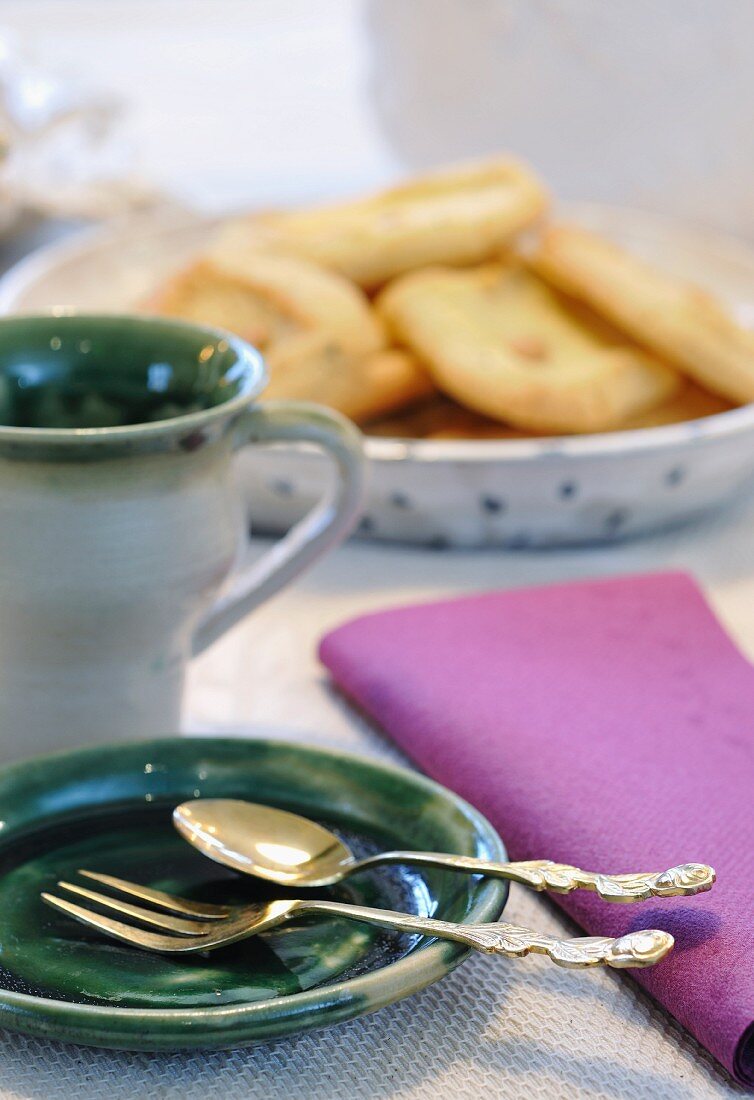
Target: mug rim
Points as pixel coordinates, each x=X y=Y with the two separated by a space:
x=254 y=381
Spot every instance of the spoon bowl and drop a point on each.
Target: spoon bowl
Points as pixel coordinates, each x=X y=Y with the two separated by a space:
x=265 y=842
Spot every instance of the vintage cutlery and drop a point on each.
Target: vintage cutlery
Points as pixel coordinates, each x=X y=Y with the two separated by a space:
x=292 y=851
x=189 y=926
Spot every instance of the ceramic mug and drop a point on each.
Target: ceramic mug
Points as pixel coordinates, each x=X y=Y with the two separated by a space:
x=120 y=524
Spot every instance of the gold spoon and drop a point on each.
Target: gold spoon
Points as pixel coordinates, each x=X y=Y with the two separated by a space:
x=293 y=851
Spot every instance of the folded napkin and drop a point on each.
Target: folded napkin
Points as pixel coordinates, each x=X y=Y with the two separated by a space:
x=607 y=724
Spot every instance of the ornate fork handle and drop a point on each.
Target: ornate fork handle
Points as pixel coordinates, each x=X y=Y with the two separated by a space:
x=636 y=949
x=562 y=878
x=684 y=880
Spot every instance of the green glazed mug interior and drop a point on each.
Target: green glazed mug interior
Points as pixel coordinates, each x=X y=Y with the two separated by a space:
x=86 y=372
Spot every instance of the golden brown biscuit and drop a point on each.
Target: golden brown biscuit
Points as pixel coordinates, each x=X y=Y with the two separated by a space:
x=312 y=367
x=473 y=426
x=441 y=418
x=206 y=294
x=320 y=336
x=264 y=297
x=690 y=403
x=676 y=320
x=455 y=216
x=501 y=342
x=315 y=298
x=414 y=422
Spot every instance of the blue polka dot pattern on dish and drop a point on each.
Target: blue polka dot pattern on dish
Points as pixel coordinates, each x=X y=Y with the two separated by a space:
x=493 y=505
x=617 y=519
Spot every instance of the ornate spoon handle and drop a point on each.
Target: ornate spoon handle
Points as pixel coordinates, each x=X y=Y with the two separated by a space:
x=544 y=874
x=636 y=949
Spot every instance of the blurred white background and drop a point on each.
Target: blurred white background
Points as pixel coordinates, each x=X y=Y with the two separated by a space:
x=229 y=101
x=648 y=103
x=235 y=101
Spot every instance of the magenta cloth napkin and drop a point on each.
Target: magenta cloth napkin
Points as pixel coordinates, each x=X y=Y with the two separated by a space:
x=608 y=724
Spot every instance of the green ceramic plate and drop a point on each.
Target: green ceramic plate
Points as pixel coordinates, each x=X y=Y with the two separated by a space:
x=108 y=809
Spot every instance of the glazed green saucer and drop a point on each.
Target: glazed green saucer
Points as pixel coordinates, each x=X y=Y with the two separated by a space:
x=108 y=809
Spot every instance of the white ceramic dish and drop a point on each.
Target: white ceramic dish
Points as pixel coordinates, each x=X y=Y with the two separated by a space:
x=539 y=492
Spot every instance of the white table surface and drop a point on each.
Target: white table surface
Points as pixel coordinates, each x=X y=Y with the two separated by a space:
x=274 y=96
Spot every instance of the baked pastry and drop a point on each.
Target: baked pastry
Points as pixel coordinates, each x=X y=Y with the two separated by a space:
x=678 y=321
x=502 y=343
x=454 y=216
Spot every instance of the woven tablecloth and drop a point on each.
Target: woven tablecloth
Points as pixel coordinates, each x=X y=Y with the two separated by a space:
x=493 y=1028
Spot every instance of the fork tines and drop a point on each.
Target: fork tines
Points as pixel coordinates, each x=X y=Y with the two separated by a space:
x=184 y=919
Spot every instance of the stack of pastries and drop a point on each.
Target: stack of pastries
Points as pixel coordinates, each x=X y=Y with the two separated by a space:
x=452 y=308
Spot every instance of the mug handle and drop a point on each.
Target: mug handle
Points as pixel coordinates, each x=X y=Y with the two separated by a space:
x=331 y=519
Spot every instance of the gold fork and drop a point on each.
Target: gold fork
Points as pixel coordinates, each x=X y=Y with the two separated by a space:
x=188 y=926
